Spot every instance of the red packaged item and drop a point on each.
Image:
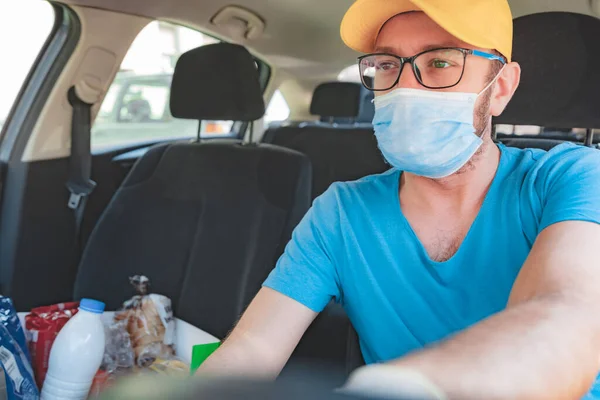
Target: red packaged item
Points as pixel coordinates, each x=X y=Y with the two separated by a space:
x=102 y=381
x=42 y=325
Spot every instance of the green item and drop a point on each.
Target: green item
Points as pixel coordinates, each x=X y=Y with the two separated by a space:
x=200 y=353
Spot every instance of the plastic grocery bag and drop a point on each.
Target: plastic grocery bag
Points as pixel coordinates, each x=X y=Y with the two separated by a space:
x=118 y=353
x=42 y=325
x=149 y=322
x=10 y=319
x=14 y=358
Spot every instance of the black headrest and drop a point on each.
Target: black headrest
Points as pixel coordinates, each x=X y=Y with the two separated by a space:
x=560 y=84
x=367 y=108
x=336 y=99
x=217 y=82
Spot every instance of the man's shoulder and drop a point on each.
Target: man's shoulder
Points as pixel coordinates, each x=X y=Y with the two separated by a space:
x=367 y=188
x=561 y=184
x=575 y=151
x=567 y=158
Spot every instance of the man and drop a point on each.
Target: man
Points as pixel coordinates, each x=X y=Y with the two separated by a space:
x=469 y=264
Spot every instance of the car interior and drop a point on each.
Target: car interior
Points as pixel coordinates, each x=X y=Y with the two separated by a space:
x=204 y=192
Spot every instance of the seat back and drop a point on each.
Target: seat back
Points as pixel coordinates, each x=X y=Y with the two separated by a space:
x=332 y=341
x=558 y=92
x=366 y=110
x=338 y=151
x=204 y=221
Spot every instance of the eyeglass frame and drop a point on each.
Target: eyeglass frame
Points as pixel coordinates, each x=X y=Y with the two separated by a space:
x=410 y=60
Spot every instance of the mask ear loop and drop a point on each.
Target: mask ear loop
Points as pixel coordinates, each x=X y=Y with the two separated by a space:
x=489 y=85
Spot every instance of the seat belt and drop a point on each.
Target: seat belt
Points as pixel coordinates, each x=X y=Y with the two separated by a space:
x=80 y=184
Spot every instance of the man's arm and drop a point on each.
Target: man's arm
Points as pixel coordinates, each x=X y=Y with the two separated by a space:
x=546 y=344
x=303 y=282
x=264 y=339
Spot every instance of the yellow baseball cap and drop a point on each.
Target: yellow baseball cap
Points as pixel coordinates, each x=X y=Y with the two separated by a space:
x=481 y=23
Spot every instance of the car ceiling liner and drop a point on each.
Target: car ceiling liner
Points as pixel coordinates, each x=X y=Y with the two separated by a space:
x=240 y=24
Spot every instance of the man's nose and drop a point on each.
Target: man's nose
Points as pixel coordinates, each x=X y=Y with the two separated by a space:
x=408 y=80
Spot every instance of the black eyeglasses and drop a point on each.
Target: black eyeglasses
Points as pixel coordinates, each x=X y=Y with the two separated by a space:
x=441 y=68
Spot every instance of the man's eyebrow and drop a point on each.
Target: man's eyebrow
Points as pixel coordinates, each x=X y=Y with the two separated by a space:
x=440 y=46
x=391 y=50
x=385 y=49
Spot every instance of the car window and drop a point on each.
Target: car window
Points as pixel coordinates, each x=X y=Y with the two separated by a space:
x=109 y=103
x=547 y=132
x=144 y=102
x=136 y=107
x=20 y=55
x=350 y=74
x=518 y=130
x=278 y=109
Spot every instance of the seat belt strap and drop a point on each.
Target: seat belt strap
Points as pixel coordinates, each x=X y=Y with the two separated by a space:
x=80 y=184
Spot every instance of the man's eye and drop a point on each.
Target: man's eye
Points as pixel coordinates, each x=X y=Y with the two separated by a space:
x=440 y=64
x=386 y=66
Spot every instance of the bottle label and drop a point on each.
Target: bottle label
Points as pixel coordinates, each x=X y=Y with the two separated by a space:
x=165 y=312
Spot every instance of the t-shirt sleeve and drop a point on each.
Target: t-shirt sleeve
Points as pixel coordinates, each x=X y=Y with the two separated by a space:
x=568 y=185
x=306 y=272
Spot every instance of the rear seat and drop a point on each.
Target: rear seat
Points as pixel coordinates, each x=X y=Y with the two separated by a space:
x=338 y=151
x=361 y=117
x=205 y=222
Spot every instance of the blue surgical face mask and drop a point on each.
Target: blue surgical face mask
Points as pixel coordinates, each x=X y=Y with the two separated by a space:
x=427 y=133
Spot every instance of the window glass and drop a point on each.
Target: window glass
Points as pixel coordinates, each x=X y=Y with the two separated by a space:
x=30 y=21
x=574 y=134
x=109 y=103
x=145 y=103
x=518 y=130
x=136 y=107
x=350 y=74
x=278 y=109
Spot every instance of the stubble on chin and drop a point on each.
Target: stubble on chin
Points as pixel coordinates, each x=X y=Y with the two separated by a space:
x=483 y=129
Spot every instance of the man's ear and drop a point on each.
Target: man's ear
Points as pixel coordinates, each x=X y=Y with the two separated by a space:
x=505 y=88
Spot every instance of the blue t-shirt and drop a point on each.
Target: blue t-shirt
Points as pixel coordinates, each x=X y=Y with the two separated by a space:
x=356 y=246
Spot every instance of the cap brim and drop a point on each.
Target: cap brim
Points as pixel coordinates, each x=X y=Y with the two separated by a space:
x=364 y=19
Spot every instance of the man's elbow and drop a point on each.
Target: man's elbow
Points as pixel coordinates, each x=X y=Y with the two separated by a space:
x=242 y=355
